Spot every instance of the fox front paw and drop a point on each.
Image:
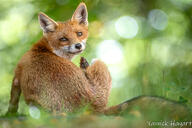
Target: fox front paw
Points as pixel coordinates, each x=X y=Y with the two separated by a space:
x=83 y=63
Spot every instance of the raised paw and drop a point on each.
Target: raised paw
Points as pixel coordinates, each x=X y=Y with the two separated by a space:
x=83 y=63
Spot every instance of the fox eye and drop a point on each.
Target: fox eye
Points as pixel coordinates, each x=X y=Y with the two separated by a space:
x=79 y=33
x=63 y=39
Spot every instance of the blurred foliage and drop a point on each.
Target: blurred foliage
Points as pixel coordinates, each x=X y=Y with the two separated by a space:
x=156 y=61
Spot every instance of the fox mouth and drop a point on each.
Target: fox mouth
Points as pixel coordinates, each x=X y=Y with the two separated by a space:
x=75 y=52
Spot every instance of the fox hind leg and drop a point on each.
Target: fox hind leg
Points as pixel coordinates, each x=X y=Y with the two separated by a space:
x=15 y=95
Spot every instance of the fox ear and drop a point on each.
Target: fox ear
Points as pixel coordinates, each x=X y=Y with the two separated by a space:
x=46 y=23
x=81 y=14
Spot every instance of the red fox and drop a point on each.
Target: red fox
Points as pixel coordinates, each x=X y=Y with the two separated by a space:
x=47 y=77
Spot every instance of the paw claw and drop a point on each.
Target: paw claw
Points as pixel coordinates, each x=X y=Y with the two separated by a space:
x=83 y=63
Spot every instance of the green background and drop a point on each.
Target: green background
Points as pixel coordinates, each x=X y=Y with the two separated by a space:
x=156 y=61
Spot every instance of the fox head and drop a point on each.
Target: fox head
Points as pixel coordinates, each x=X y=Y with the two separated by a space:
x=68 y=38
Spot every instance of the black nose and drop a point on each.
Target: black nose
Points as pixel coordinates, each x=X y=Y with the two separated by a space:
x=78 y=46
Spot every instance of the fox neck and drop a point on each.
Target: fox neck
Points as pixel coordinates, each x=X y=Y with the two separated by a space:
x=63 y=54
x=43 y=46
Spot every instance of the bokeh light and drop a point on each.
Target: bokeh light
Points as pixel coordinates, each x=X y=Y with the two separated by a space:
x=126 y=27
x=110 y=51
x=34 y=112
x=158 y=19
